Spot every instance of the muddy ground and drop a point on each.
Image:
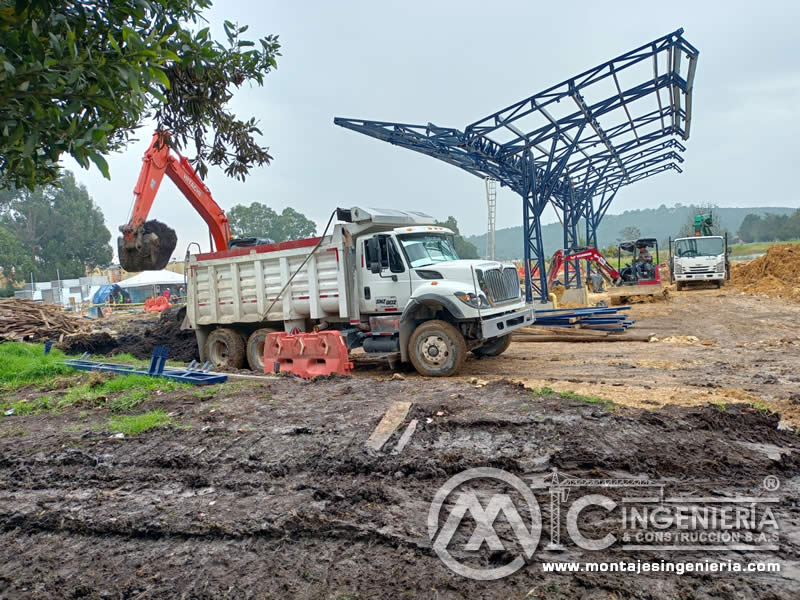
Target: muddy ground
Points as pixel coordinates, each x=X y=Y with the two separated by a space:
x=747 y=350
x=265 y=489
x=137 y=334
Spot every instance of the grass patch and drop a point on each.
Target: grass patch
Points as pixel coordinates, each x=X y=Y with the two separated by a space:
x=606 y=403
x=118 y=393
x=23 y=364
x=738 y=250
x=762 y=408
x=136 y=424
x=204 y=392
x=543 y=391
x=13 y=432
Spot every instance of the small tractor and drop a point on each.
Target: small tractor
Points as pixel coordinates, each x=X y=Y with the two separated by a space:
x=638 y=277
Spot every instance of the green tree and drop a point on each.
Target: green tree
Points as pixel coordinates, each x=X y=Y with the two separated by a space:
x=259 y=220
x=58 y=226
x=79 y=76
x=750 y=229
x=687 y=229
x=629 y=233
x=15 y=262
x=464 y=248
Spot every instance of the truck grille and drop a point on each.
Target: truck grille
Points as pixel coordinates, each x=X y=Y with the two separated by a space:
x=500 y=286
x=701 y=270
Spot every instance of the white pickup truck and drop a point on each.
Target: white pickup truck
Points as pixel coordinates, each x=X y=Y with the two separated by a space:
x=698 y=259
x=390 y=281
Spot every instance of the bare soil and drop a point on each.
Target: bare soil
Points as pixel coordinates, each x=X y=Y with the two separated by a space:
x=138 y=334
x=265 y=489
x=747 y=349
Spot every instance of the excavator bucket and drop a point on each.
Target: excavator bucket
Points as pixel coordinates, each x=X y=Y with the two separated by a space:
x=146 y=248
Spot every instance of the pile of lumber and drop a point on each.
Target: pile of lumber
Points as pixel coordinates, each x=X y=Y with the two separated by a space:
x=29 y=321
x=594 y=324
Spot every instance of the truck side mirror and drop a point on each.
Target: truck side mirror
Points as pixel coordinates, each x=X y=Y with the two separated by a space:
x=373 y=247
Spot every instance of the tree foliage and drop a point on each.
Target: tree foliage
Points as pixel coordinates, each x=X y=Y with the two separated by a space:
x=770 y=227
x=687 y=229
x=259 y=220
x=464 y=248
x=57 y=228
x=630 y=232
x=15 y=261
x=78 y=76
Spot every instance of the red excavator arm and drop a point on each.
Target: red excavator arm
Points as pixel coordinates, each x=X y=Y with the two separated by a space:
x=559 y=258
x=148 y=245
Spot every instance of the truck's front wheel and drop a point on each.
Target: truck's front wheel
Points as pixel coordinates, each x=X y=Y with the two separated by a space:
x=225 y=348
x=494 y=347
x=437 y=349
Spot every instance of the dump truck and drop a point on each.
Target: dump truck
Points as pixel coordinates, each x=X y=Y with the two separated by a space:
x=389 y=281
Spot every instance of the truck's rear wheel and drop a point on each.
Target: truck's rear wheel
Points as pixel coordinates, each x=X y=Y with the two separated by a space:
x=225 y=348
x=437 y=349
x=494 y=347
x=255 y=348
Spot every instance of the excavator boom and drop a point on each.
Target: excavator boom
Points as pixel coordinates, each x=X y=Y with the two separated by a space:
x=590 y=254
x=148 y=245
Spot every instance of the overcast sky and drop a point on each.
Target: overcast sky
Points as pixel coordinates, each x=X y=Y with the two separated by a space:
x=454 y=62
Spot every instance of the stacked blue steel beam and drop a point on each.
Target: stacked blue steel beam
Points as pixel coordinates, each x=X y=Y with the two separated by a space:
x=612 y=319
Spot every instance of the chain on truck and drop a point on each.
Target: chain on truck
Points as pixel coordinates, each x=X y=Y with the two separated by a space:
x=389 y=281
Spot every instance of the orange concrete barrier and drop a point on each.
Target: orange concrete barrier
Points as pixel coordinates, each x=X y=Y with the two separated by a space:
x=307 y=354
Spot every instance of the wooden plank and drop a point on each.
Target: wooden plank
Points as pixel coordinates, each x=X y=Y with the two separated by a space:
x=391 y=420
x=406 y=437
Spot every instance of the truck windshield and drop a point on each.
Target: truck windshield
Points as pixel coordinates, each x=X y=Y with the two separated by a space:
x=700 y=246
x=422 y=249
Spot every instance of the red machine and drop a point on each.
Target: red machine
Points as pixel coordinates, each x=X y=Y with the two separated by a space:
x=590 y=254
x=148 y=245
x=641 y=271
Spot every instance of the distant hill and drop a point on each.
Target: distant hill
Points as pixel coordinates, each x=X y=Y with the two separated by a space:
x=659 y=223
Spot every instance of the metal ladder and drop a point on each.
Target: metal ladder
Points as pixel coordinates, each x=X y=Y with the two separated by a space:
x=491 y=201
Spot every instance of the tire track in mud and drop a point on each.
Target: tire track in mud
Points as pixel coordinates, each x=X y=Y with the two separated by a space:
x=258 y=514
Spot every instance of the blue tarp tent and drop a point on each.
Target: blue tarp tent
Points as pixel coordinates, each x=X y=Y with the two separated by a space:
x=102 y=295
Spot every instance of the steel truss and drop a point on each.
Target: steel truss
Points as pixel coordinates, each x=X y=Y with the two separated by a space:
x=618 y=124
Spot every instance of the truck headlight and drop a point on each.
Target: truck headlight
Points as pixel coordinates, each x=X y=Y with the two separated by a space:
x=720 y=268
x=475 y=301
x=678 y=269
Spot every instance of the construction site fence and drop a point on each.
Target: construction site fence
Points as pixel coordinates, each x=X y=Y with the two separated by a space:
x=83 y=307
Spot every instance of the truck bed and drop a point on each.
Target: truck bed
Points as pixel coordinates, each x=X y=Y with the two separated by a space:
x=240 y=284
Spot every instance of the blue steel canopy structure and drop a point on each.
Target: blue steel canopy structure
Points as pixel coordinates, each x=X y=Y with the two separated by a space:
x=575 y=144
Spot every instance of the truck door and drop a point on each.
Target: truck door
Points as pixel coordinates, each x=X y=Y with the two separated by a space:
x=385 y=279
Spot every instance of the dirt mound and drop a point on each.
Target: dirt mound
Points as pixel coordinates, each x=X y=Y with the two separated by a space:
x=139 y=339
x=777 y=273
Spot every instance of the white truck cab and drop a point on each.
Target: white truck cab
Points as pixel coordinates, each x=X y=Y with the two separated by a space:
x=699 y=258
x=389 y=280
